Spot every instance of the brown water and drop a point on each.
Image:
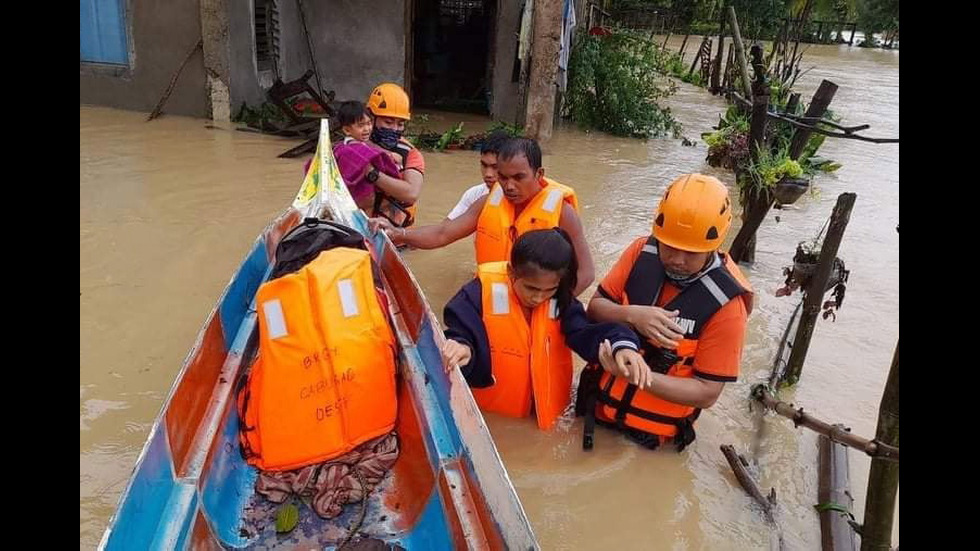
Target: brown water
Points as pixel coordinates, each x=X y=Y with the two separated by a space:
x=168 y=210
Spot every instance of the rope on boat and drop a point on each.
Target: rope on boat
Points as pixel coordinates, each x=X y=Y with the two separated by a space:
x=365 y=490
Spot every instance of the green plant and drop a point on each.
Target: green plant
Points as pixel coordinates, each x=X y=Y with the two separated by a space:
x=779 y=96
x=694 y=78
x=876 y=16
x=767 y=169
x=452 y=136
x=728 y=147
x=871 y=41
x=259 y=117
x=426 y=141
x=780 y=135
x=813 y=164
x=513 y=130
x=614 y=86
x=672 y=65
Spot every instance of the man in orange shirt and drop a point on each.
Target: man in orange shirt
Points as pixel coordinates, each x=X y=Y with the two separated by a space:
x=395 y=198
x=689 y=304
x=523 y=199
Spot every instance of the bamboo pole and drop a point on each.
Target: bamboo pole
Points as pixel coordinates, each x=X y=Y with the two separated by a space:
x=697 y=56
x=834 y=501
x=792 y=103
x=726 y=75
x=813 y=301
x=684 y=45
x=716 y=70
x=740 y=52
x=818 y=106
x=784 y=348
x=754 y=206
x=879 y=507
x=173 y=81
x=836 y=432
x=737 y=464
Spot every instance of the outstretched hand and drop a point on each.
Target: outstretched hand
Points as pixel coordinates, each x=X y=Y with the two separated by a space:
x=455 y=354
x=626 y=363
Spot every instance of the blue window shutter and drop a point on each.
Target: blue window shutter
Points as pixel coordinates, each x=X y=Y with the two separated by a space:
x=103 y=32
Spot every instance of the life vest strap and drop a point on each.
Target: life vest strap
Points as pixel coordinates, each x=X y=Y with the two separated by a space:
x=685 y=425
x=379 y=197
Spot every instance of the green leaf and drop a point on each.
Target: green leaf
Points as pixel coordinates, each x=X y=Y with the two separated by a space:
x=287 y=518
x=451 y=136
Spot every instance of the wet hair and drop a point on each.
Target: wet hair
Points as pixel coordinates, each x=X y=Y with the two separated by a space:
x=550 y=251
x=350 y=112
x=521 y=146
x=493 y=142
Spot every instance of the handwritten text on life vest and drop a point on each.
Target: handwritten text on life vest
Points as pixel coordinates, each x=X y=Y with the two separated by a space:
x=310 y=390
x=328 y=409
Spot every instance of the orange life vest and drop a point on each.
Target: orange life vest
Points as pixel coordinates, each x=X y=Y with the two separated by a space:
x=527 y=360
x=497 y=228
x=324 y=381
x=624 y=404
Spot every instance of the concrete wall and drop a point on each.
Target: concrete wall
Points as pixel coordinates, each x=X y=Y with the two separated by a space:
x=214 y=32
x=504 y=104
x=160 y=33
x=357 y=45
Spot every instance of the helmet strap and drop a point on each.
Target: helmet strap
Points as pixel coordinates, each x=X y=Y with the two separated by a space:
x=714 y=261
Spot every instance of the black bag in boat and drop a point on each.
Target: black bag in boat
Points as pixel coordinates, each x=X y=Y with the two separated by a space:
x=310 y=238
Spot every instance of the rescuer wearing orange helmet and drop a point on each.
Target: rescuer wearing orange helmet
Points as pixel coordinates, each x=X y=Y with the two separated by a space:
x=688 y=303
x=395 y=198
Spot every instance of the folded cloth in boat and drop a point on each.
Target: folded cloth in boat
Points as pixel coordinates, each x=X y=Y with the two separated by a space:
x=334 y=483
x=353 y=159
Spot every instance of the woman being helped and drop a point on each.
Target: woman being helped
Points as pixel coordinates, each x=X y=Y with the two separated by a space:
x=511 y=330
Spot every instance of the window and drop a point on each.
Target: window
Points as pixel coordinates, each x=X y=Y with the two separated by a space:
x=267 y=36
x=103 y=32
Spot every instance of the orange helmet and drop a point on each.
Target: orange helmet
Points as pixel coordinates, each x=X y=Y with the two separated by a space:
x=389 y=100
x=694 y=214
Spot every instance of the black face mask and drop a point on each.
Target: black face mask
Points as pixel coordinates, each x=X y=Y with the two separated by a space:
x=684 y=281
x=386 y=137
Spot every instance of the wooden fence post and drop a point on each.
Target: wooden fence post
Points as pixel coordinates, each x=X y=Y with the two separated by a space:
x=818 y=106
x=813 y=302
x=879 y=507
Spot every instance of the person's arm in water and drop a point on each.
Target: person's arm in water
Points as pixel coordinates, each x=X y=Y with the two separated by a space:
x=572 y=224
x=689 y=391
x=586 y=339
x=435 y=235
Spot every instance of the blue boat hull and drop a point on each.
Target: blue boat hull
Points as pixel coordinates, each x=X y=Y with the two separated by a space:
x=191 y=489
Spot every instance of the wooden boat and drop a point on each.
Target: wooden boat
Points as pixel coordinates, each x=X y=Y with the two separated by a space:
x=191 y=488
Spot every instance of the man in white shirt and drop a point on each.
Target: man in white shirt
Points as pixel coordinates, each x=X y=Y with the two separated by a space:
x=488 y=167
